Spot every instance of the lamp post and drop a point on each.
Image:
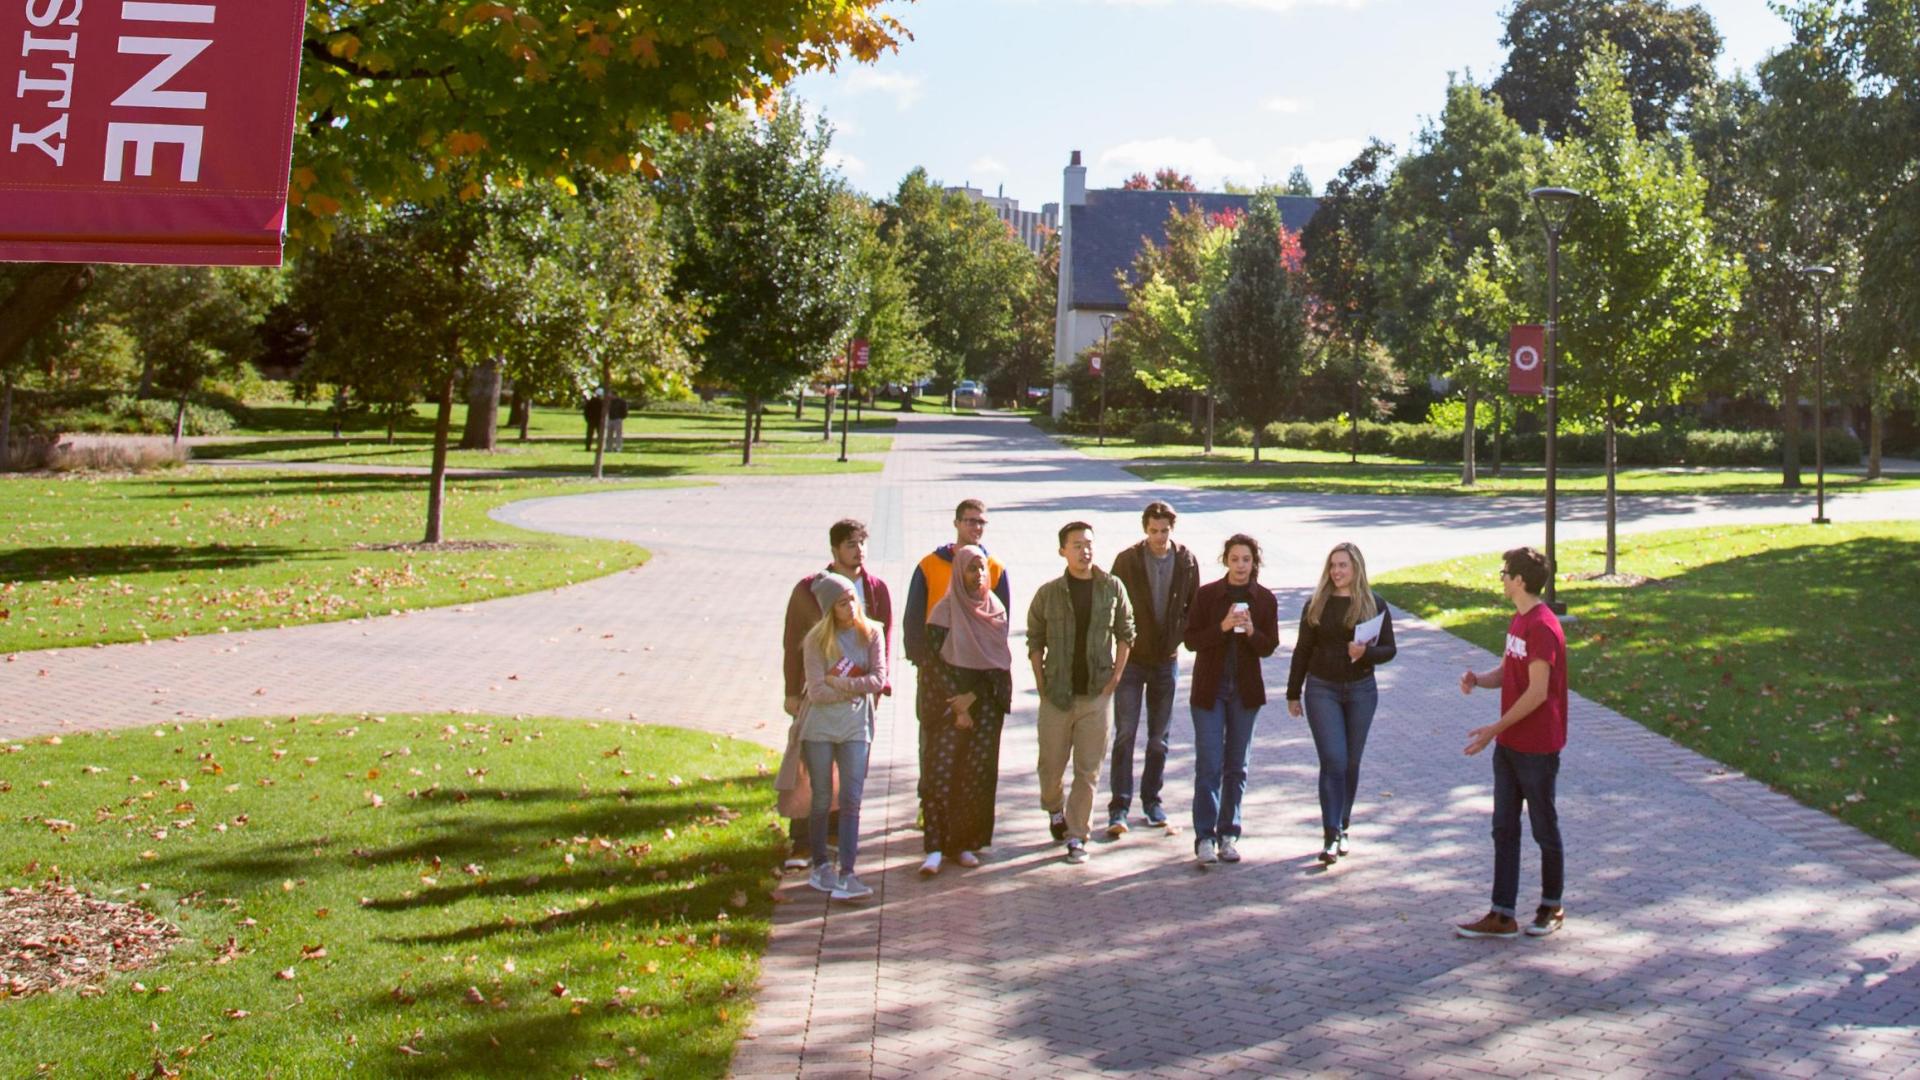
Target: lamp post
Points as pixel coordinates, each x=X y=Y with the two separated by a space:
x=1553 y=204
x=1817 y=278
x=1106 y=327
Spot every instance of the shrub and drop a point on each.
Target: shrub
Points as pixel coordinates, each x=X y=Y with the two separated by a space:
x=152 y=416
x=1233 y=435
x=1157 y=432
x=114 y=455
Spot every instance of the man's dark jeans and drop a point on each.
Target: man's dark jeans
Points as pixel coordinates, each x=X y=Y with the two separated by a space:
x=1153 y=682
x=1519 y=777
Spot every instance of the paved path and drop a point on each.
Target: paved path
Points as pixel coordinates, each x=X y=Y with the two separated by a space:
x=1716 y=928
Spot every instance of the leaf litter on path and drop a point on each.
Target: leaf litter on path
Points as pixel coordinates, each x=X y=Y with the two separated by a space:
x=55 y=937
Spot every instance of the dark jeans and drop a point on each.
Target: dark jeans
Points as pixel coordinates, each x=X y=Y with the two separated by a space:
x=1530 y=778
x=1222 y=751
x=851 y=759
x=1153 y=682
x=1339 y=714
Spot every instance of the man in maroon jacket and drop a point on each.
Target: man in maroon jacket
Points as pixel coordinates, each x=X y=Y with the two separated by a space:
x=848 y=541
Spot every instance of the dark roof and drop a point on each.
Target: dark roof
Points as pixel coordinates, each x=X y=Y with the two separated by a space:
x=1113 y=225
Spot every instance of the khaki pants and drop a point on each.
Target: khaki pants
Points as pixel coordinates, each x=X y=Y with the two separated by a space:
x=1078 y=733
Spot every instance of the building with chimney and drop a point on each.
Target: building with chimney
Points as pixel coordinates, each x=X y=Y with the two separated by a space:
x=1101 y=232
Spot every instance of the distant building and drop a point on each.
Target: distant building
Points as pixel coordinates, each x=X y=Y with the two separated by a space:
x=1101 y=233
x=1030 y=226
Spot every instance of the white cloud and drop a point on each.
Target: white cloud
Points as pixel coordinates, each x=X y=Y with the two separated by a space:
x=1199 y=157
x=905 y=90
x=846 y=164
x=1255 y=5
x=987 y=165
x=1286 y=105
x=1320 y=157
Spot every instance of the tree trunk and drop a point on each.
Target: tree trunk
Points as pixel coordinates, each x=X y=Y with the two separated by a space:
x=606 y=421
x=44 y=292
x=392 y=421
x=1876 y=434
x=437 y=479
x=1612 y=518
x=179 y=419
x=759 y=427
x=1790 y=428
x=746 y=438
x=482 y=428
x=826 y=417
x=6 y=424
x=1256 y=444
x=1467 y=462
x=1208 y=441
x=145 y=389
x=1353 y=443
x=800 y=404
x=1498 y=427
x=520 y=411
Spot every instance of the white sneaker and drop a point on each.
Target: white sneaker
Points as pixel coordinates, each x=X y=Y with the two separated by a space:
x=1229 y=852
x=850 y=888
x=798 y=862
x=931 y=866
x=824 y=878
x=969 y=860
x=1207 y=852
x=1340 y=845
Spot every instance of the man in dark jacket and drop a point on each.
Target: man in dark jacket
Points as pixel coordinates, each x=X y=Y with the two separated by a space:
x=1161 y=578
x=848 y=539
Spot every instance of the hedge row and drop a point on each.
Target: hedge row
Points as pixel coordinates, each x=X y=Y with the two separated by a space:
x=1427 y=442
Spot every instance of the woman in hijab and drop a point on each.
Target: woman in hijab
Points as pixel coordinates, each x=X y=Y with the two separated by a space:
x=965 y=692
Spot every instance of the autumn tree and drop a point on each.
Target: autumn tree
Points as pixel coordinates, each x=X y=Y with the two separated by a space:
x=769 y=251
x=1172 y=283
x=1645 y=289
x=1257 y=327
x=1668 y=53
x=1163 y=179
x=1338 y=243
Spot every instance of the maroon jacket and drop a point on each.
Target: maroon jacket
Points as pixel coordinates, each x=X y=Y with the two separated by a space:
x=803 y=611
x=1209 y=643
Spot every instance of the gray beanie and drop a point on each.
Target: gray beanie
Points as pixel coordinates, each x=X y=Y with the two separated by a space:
x=829 y=588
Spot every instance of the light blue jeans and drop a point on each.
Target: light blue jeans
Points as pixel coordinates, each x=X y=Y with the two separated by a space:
x=851 y=758
x=1340 y=715
x=1222 y=753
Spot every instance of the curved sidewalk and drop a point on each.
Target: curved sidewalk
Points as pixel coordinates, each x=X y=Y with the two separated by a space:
x=1715 y=928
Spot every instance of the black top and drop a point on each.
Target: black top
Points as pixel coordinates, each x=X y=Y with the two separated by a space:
x=1322 y=650
x=1236 y=594
x=1080 y=591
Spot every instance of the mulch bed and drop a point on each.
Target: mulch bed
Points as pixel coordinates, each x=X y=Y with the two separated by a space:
x=55 y=937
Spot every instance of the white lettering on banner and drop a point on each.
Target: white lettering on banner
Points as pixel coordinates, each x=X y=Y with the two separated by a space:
x=55 y=79
x=148 y=92
x=144 y=138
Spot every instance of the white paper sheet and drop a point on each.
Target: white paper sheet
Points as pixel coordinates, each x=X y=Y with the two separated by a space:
x=1369 y=632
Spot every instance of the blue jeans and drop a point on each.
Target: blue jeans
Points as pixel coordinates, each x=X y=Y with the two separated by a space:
x=1155 y=682
x=1529 y=778
x=1222 y=752
x=851 y=758
x=1339 y=714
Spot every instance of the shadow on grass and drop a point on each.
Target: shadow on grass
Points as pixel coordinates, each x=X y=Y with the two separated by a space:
x=57 y=563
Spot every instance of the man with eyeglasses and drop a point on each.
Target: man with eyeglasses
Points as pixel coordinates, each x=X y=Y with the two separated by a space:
x=929 y=586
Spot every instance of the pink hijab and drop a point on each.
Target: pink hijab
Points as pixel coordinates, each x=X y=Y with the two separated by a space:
x=976 y=625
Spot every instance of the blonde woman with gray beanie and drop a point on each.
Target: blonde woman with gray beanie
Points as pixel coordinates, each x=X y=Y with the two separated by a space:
x=845 y=658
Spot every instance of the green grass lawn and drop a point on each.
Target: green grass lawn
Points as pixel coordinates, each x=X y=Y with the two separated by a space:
x=1787 y=652
x=1329 y=473
x=401 y=896
x=656 y=446
x=104 y=559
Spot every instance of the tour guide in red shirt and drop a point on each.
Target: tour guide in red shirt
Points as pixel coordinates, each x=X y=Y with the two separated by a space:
x=1529 y=735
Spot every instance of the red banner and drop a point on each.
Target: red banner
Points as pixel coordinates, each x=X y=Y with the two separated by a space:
x=860 y=354
x=138 y=131
x=1526 y=359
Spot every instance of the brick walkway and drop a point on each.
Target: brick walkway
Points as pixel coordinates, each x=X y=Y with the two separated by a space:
x=1715 y=928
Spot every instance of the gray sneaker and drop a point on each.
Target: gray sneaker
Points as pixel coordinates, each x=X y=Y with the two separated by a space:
x=1206 y=851
x=824 y=878
x=1117 y=827
x=851 y=888
x=1229 y=851
x=1076 y=852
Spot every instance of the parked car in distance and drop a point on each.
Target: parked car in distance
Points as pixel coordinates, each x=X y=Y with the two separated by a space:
x=969 y=395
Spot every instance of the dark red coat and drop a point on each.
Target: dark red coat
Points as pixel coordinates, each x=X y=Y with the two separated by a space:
x=1209 y=643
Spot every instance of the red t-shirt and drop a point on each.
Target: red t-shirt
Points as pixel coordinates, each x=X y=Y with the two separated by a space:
x=1535 y=635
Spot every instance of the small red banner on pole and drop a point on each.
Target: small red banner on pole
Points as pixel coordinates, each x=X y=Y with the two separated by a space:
x=1526 y=359
x=860 y=354
x=147 y=131
x=1093 y=363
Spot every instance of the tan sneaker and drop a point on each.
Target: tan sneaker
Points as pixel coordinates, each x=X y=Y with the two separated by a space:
x=1546 y=920
x=1492 y=924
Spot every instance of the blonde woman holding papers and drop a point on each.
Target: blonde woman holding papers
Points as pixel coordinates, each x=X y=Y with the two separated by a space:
x=1345 y=632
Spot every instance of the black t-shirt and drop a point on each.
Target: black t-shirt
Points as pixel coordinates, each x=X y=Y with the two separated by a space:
x=1082 y=594
x=1236 y=594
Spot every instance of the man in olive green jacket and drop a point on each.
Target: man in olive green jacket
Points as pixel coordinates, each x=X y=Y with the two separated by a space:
x=1079 y=632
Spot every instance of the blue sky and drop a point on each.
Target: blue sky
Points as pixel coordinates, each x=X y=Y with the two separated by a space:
x=999 y=92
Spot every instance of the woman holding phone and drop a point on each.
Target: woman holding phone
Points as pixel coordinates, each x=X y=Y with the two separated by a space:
x=1333 y=661
x=1232 y=625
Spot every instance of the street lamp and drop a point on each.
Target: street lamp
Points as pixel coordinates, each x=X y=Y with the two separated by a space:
x=1106 y=327
x=1554 y=204
x=1817 y=279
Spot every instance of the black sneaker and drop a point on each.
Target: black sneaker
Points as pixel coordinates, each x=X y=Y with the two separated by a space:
x=1546 y=920
x=1057 y=823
